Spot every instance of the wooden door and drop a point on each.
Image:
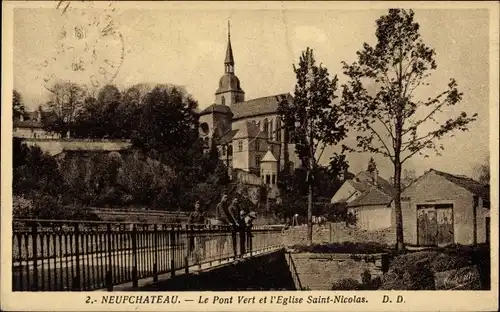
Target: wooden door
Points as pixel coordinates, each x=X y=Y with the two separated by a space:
x=426 y=225
x=444 y=216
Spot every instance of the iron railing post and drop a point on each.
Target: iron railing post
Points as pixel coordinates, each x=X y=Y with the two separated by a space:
x=109 y=273
x=135 y=281
x=34 y=237
x=172 y=251
x=76 y=278
x=155 y=264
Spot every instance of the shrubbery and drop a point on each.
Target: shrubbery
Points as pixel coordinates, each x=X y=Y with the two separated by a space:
x=367 y=283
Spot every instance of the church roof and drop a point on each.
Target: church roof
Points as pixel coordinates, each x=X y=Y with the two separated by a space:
x=229 y=82
x=229 y=53
x=268 y=157
x=250 y=129
x=259 y=106
x=216 y=108
x=227 y=137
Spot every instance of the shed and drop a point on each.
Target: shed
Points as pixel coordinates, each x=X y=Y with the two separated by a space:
x=440 y=209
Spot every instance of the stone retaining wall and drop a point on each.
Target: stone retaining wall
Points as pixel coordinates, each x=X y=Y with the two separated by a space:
x=319 y=271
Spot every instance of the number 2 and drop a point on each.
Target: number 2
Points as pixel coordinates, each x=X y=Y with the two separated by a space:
x=87 y=300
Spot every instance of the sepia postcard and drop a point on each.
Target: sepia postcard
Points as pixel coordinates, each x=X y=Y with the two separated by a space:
x=249 y=156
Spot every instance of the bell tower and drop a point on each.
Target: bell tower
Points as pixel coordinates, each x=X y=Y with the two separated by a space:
x=229 y=91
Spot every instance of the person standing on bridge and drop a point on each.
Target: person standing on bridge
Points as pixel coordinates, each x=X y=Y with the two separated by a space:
x=237 y=227
x=223 y=218
x=196 y=220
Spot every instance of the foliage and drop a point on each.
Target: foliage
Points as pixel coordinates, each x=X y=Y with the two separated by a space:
x=18 y=108
x=380 y=102
x=367 y=283
x=167 y=123
x=483 y=173
x=66 y=103
x=372 y=166
x=311 y=119
x=415 y=270
x=35 y=171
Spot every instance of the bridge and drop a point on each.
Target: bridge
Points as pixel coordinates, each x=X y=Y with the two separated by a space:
x=51 y=255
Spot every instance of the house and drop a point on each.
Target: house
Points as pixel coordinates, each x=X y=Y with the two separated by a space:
x=441 y=208
x=29 y=125
x=367 y=196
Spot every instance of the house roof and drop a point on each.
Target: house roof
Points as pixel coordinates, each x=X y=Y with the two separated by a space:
x=268 y=157
x=363 y=181
x=373 y=196
x=259 y=106
x=469 y=184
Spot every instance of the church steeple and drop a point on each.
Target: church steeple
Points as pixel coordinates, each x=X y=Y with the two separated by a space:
x=229 y=91
x=229 y=62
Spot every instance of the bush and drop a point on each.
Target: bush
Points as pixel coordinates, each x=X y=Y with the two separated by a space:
x=346 y=284
x=367 y=283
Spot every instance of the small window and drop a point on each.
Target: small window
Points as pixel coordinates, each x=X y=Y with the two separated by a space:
x=223 y=100
x=486 y=204
x=266 y=125
x=257 y=145
x=273 y=179
x=240 y=146
x=257 y=161
x=268 y=179
x=230 y=150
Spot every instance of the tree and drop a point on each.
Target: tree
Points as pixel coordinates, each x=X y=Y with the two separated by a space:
x=168 y=123
x=482 y=173
x=312 y=119
x=17 y=105
x=372 y=166
x=66 y=104
x=386 y=118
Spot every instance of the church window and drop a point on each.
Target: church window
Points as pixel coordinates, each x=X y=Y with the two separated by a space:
x=223 y=100
x=271 y=134
x=230 y=150
x=268 y=179
x=278 y=130
x=257 y=145
x=274 y=179
x=240 y=146
x=266 y=126
x=257 y=161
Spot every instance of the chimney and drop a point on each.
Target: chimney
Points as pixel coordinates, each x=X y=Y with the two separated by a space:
x=375 y=177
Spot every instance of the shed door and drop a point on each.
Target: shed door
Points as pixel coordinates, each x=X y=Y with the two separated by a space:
x=426 y=225
x=444 y=215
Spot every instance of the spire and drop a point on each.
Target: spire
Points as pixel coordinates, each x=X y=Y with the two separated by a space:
x=229 y=62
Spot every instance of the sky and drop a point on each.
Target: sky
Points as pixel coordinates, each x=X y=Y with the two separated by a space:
x=187 y=47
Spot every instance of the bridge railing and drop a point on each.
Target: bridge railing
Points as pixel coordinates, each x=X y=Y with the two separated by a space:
x=52 y=255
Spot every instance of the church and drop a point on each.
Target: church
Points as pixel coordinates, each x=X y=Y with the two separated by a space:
x=249 y=134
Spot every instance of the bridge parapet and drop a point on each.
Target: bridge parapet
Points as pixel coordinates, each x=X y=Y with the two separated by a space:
x=55 y=255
